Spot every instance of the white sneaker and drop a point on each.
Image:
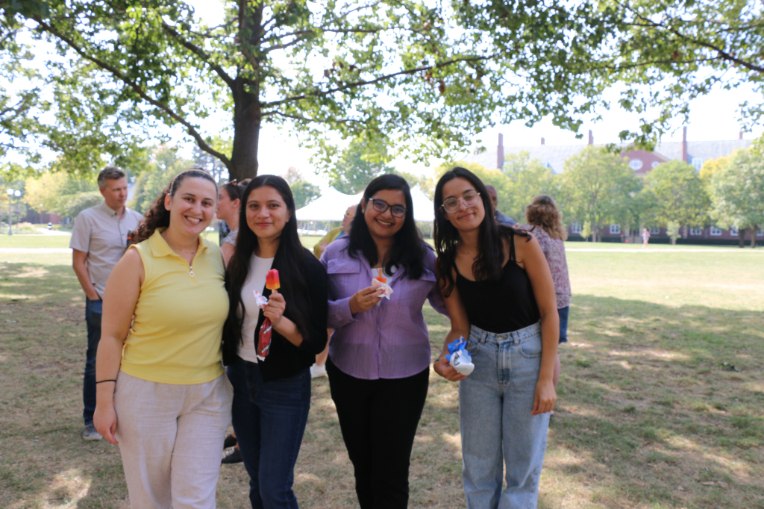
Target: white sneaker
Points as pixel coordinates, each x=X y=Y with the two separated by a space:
x=317 y=371
x=90 y=433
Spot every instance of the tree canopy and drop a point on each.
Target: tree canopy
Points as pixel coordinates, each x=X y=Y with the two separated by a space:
x=404 y=72
x=737 y=190
x=411 y=75
x=680 y=193
x=597 y=188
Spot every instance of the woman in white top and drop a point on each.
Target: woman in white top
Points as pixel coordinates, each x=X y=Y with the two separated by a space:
x=272 y=390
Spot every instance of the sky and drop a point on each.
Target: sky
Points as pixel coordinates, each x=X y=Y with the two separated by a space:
x=712 y=117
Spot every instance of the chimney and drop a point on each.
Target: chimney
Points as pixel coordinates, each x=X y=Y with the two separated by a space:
x=591 y=137
x=500 y=152
x=543 y=141
x=684 y=144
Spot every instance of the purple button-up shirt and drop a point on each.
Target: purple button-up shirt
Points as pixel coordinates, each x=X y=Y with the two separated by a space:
x=390 y=340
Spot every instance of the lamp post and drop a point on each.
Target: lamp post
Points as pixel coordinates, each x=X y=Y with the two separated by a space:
x=11 y=194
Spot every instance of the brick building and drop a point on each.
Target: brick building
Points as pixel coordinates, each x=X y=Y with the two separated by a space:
x=641 y=161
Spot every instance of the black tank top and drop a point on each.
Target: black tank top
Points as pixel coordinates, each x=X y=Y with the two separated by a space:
x=500 y=306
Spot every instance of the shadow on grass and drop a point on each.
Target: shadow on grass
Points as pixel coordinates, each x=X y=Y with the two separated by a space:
x=658 y=407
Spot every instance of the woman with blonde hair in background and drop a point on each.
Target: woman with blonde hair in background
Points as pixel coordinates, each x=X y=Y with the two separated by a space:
x=162 y=395
x=545 y=221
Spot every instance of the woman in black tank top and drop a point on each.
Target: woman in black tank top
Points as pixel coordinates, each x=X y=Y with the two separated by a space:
x=500 y=295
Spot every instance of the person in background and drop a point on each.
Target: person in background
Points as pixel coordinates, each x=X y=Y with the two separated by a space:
x=163 y=396
x=500 y=295
x=229 y=201
x=500 y=218
x=99 y=239
x=379 y=357
x=335 y=233
x=272 y=387
x=645 y=237
x=319 y=368
x=545 y=223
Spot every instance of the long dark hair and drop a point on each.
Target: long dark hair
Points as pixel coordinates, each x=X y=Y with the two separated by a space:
x=289 y=258
x=158 y=216
x=491 y=236
x=408 y=246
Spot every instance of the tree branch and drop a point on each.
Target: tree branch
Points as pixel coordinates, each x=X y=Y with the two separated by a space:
x=723 y=54
x=138 y=90
x=200 y=53
x=357 y=84
x=307 y=119
x=285 y=45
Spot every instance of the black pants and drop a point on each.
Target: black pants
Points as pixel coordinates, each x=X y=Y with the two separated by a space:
x=378 y=419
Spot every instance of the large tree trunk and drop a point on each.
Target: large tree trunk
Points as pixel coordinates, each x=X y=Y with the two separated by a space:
x=247 y=109
x=741 y=233
x=246 y=135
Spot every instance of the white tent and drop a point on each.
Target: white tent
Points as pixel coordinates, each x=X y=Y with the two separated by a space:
x=332 y=204
x=423 y=209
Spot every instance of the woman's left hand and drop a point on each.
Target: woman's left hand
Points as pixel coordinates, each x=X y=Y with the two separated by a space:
x=275 y=308
x=545 y=398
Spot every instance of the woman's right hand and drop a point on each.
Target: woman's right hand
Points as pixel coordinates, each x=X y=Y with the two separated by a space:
x=447 y=371
x=105 y=422
x=364 y=300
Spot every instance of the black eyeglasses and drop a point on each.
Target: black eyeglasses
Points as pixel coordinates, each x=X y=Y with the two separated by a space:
x=382 y=205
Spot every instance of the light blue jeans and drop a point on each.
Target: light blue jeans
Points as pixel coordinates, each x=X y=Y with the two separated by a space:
x=497 y=427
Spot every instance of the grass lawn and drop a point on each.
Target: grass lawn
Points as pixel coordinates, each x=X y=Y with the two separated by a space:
x=661 y=399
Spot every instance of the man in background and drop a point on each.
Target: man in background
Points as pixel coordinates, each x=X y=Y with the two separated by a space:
x=500 y=218
x=99 y=239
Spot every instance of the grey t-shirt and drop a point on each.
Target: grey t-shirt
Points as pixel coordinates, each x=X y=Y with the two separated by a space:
x=99 y=232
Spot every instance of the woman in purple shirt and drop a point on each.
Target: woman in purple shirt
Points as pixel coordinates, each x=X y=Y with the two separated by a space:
x=379 y=354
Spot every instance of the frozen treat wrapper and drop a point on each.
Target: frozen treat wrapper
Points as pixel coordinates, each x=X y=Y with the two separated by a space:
x=264 y=340
x=376 y=283
x=459 y=358
x=259 y=299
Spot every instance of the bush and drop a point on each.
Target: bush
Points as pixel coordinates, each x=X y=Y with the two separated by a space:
x=24 y=228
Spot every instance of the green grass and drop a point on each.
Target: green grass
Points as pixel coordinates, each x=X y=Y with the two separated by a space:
x=661 y=400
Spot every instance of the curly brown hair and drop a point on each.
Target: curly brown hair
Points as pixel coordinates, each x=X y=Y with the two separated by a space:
x=543 y=212
x=158 y=216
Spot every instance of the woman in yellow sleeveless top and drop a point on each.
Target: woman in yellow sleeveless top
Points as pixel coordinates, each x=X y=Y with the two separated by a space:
x=161 y=392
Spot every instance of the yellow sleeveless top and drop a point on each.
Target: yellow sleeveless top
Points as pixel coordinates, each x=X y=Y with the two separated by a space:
x=178 y=323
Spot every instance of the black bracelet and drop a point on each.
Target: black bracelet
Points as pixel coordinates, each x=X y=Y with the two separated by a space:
x=102 y=381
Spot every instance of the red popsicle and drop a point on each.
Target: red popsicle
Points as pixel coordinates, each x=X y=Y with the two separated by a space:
x=380 y=278
x=272 y=280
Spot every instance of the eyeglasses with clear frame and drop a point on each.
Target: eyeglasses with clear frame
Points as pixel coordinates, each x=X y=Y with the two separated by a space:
x=382 y=205
x=469 y=198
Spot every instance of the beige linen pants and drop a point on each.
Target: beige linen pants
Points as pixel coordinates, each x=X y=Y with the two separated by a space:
x=171 y=440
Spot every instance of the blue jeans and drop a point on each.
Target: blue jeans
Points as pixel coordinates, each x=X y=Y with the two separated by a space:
x=495 y=404
x=93 y=311
x=563 y=312
x=269 y=420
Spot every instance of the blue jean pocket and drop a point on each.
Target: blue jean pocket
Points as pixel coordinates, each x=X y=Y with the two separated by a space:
x=531 y=347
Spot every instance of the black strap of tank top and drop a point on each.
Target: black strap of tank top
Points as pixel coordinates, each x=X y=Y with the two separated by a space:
x=512 y=257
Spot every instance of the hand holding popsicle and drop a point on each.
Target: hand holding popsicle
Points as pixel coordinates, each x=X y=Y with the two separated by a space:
x=274 y=310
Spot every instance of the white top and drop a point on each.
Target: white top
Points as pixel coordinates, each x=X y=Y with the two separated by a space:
x=102 y=234
x=258 y=268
